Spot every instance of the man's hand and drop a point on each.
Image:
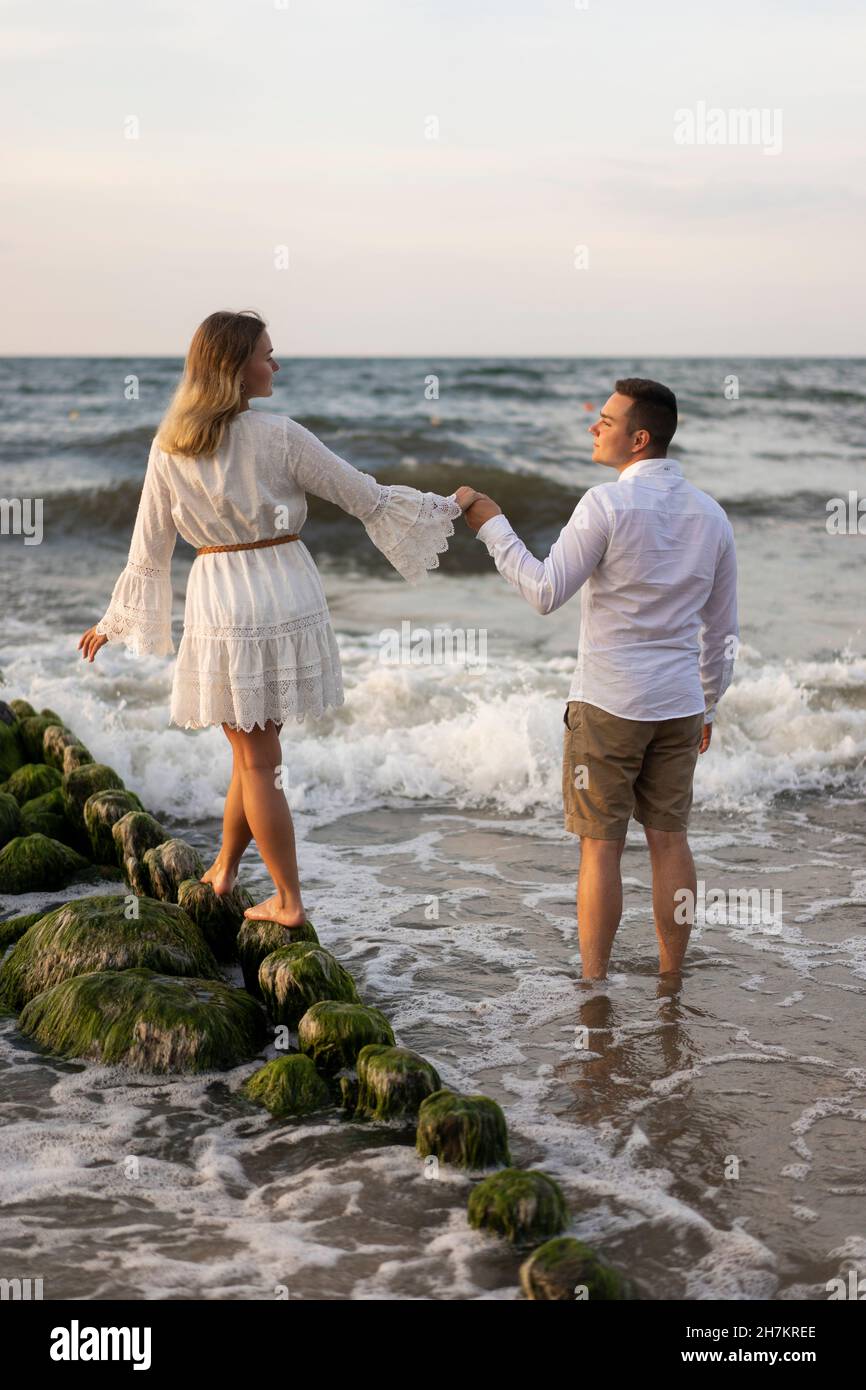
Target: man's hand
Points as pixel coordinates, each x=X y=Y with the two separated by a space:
x=705 y=740
x=90 y=643
x=477 y=507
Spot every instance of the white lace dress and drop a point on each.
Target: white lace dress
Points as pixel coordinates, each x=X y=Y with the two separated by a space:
x=257 y=640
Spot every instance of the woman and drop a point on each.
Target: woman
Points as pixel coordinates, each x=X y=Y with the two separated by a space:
x=258 y=645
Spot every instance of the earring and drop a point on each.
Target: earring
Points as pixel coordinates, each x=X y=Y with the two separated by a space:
x=243 y=387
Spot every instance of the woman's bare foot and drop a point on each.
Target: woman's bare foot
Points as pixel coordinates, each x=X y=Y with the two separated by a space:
x=275 y=909
x=221 y=879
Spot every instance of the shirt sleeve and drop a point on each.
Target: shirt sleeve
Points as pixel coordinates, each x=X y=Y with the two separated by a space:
x=409 y=527
x=139 y=613
x=548 y=584
x=720 y=630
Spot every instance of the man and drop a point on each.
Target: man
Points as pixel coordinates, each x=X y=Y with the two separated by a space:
x=655 y=562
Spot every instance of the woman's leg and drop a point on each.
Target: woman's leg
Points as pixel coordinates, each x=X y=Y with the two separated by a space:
x=258 y=756
x=223 y=872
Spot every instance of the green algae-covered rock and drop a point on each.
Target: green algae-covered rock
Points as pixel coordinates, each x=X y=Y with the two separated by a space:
x=147 y=1021
x=102 y=810
x=257 y=939
x=288 y=1086
x=392 y=1082
x=133 y=835
x=81 y=783
x=14 y=928
x=293 y=978
x=75 y=755
x=333 y=1033
x=22 y=708
x=467 y=1131
x=32 y=734
x=31 y=862
x=55 y=740
x=46 y=815
x=168 y=864
x=565 y=1270
x=11 y=749
x=94 y=934
x=218 y=916
x=10 y=818
x=522 y=1204
x=31 y=780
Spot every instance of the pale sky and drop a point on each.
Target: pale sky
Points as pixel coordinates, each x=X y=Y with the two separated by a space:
x=303 y=125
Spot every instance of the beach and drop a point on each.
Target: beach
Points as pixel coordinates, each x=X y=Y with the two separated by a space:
x=707 y=1140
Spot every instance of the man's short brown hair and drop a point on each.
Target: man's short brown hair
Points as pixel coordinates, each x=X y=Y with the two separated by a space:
x=653 y=408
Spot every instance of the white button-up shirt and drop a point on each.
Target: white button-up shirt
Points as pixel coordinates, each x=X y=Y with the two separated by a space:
x=655 y=562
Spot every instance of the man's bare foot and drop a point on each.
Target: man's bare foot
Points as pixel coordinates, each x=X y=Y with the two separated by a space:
x=272 y=910
x=221 y=880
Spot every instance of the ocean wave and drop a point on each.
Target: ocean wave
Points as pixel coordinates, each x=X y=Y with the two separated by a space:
x=471 y=736
x=537 y=506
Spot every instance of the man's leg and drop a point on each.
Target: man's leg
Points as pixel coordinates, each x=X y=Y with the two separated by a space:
x=673 y=870
x=663 y=800
x=599 y=903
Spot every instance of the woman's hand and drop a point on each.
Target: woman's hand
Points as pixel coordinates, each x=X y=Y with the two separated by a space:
x=477 y=507
x=465 y=496
x=91 y=643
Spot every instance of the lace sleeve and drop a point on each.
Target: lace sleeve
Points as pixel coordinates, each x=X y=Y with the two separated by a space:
x=411 y=528
x=139 y=613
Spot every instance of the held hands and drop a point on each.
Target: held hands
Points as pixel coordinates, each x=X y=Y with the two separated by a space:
x=91 y=641
x=705 y=738
x=477 y=507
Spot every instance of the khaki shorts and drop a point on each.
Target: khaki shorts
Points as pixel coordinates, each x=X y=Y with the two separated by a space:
x=613 y=768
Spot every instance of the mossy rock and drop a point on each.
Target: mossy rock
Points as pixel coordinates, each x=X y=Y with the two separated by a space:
x=133 y=835
x=392 y=1082
x=333 y=1032
x=55 y=740
x=293 y=978
x=102 y=811
x=81 y=783
x=147 y=1021
x=22 y=708
x=49 y=713
x=7 y=714
x=31 y=862
x=565 y=1270
x=14 y=928
x=75 y=755
x=168 y=864
x=288 y=1086
x=10 y=818
x=32 y=734
x=257 y=939
x=522 y=1204
x=94 y=935
x=218 y=916
x=46 y=815
x=11 y=752
x=31 y=780
x=466 y=1131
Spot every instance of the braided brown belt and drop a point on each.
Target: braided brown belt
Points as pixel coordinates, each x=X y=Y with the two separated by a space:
x=245 y=545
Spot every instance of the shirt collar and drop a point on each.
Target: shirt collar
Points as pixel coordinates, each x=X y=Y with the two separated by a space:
x=666 y=467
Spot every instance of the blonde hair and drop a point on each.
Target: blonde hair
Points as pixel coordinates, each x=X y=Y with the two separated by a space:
x=208 y=395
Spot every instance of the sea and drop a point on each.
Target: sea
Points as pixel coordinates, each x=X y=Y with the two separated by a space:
x=708 y=1138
